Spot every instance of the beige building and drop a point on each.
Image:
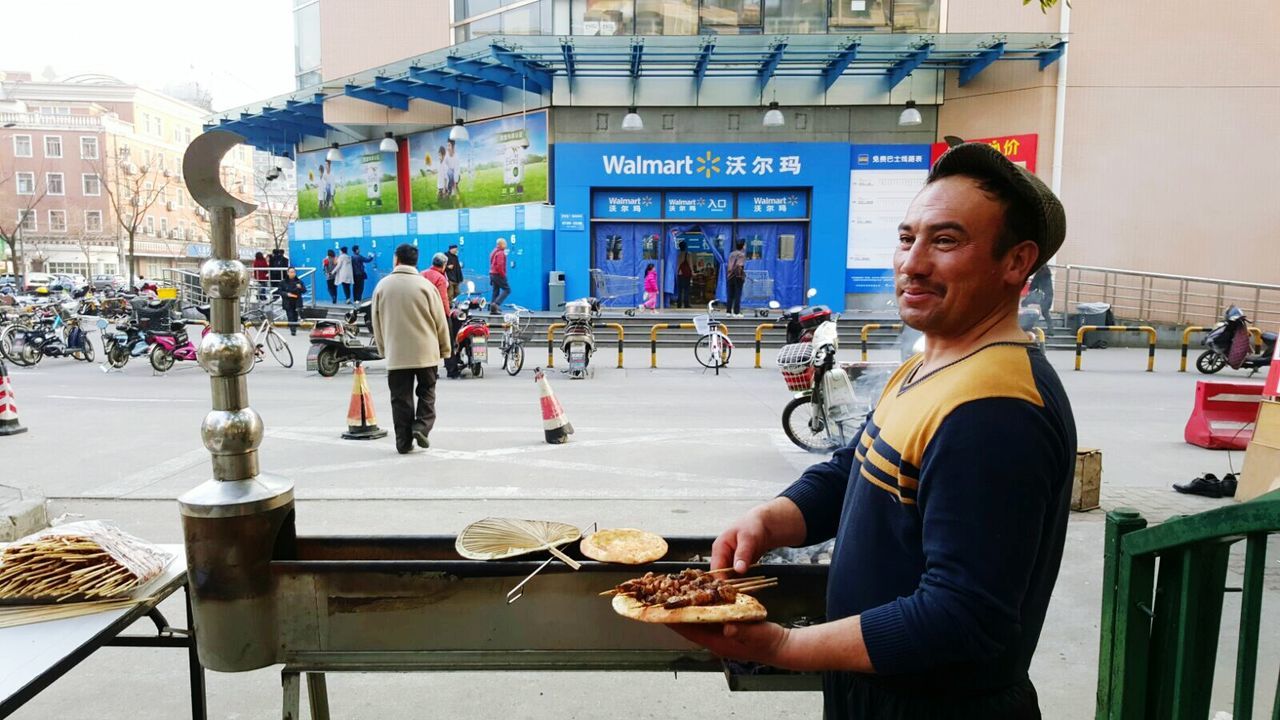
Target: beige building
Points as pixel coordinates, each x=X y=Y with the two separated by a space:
x=1157 y=127
x=89 y=161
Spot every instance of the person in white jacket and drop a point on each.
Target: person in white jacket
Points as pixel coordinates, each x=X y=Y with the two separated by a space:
x=343 y=274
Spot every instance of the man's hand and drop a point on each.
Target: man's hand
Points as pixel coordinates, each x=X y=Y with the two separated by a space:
x=777 y=523
x=760 y=642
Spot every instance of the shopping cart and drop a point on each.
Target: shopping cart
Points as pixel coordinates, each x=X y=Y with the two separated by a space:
x=609 y=288
x=757 y=291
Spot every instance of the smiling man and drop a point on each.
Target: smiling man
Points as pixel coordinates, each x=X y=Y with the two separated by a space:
x=950 y=507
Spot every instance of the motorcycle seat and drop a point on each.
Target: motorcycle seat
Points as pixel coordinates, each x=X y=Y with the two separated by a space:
x=1269 y=337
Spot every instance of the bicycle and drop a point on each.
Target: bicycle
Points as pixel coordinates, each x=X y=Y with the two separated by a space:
x=713 y=348
x=514 y=334
x=261 y=329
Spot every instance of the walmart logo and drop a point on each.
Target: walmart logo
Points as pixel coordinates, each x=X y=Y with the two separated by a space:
x=708 y=164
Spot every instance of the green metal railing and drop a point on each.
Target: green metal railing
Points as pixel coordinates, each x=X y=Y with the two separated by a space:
x=1162 y=595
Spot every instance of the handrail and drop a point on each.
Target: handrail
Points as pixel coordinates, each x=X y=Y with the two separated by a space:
x=1151 y=340
x=866 y=332
x=653 y=338
x=551 y=339
x=1262 y=514
x=617 y=327
x=1166 y=276
x=760 y=336
x=1137 y=295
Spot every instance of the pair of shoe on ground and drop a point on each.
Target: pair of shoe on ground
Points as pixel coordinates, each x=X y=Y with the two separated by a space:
x=1210 y=486
x=420 y=438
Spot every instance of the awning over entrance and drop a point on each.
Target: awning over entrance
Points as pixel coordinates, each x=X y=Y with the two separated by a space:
x=480 y=73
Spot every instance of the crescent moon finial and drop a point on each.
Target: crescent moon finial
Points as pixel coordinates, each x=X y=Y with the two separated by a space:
x=201 y=169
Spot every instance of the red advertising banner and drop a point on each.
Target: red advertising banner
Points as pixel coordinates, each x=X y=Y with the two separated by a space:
x=1019 y=148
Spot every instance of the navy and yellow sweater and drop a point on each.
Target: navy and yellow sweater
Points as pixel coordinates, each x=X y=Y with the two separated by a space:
x=949 y=512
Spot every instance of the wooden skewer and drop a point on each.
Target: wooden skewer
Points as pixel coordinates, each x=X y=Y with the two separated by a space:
x=760 y=586
x=748 y=580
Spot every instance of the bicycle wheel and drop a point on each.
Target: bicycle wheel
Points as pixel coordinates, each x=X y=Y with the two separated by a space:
x=7 y=335
x=707 y=358
x=799 y=425
x=513 y=360
x=279 y=348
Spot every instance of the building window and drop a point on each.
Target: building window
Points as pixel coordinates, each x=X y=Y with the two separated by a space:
x=53 y=146
x=795 y=16
x=915 y=16
x=22 y=146
x=26 y=183
x=149 y=225
x=93 y=221
x=160 y=127
x=732 y=17
x=90 y=185
x=57 y=221
x=186 y=136
x=870 y=14
x=603 y=17
x=786 y=246
x=53 y=184
x=666 y=17
x=164 y=227
x=88 y=148
x=306 y=43
x=27 y=220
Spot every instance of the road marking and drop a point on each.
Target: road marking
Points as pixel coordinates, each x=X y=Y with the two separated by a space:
x=120 y=400
x=138 y=481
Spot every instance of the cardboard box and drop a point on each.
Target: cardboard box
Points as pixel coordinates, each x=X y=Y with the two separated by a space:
x=1086 y=489
x=1261 y=473
x=1267 y=427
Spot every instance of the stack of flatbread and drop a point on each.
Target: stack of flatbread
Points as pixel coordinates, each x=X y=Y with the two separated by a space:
x=79 y=561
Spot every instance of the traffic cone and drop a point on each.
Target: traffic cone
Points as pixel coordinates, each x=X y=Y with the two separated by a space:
x=554 y=423
x=9 y=424
x=362 y=423
x=1272 y=387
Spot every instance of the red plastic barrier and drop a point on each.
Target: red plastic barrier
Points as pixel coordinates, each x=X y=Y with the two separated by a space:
x=1272 y=387
x=1223 y=416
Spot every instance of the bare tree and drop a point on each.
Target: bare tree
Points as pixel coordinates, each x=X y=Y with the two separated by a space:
x=14 y=207
x=86 y=238
x=132 y=191
x=277 y=208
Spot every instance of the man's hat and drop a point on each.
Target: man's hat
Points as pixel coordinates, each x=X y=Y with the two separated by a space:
x=983 y=161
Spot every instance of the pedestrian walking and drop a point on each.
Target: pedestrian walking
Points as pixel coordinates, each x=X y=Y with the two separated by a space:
x=1042 y=283
x=453 y=271
x=498 y=276
x=736 y=275
x=651 y=288
x=278 y=263
x=411 y=332
x=435 y=275
x=330 y=269
x=291 y=291
x=343 y=274
x=261 y=274
x=358 y=273
x=684 y=275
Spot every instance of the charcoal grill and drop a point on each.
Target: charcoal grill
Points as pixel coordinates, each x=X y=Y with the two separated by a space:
x=263 y=596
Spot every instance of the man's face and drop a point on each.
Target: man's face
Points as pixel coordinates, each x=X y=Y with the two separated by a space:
x=947 y=278
x=453 y=251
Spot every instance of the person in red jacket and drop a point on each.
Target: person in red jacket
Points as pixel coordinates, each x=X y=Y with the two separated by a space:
x=260 y=272
x=498 y=276
x=435 y=274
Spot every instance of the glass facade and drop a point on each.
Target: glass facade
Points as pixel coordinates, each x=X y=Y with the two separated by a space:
x=306 y=42
x=478 y=18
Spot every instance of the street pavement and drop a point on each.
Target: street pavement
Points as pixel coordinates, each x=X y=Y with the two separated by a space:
x=677 y=450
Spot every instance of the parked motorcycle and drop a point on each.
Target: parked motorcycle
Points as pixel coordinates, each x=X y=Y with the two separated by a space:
x=1230 y=345
x=579 y=339
x=121 y=343
x=802 y=320
x=470 y=334
x=33 y=345
x=336 y=343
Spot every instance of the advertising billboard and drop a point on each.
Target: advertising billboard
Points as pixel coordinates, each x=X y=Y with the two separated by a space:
x=363 y=182
x=503 y=162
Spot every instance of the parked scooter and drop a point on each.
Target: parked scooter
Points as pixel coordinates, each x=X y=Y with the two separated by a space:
x=802 y=320
x=470 y=334
x=123 y=342
x=579 y=342
x=174 y=345
x=1230 y=345
x=33 y=345
x=336 y=343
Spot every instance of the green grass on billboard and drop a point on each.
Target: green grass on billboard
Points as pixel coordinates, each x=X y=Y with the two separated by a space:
x=350 y=201
x=482 y=189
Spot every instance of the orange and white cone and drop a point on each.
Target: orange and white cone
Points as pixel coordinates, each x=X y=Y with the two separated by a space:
x=9 y=424
x=362 y=423
x=1272 y=387
x=554 y=423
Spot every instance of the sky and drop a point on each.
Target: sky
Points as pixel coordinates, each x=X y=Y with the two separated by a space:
x=240 y=50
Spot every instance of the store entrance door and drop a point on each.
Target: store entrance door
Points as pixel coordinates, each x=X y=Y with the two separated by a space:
x=621 y=251
x=776 y=253
x=707 y=245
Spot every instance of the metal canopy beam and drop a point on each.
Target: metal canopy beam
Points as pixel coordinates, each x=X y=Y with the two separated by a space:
x=907 y=65
x=456 y=83
x=535 y=72
x=566 y=49
x=771 y=62
x=704 y=60
x=499 y=74
x=410 y=89
x=378 y=97
x=834 y=69
x=981 y=62
x=637 y=52
x=1050 y=56
x=284 y=121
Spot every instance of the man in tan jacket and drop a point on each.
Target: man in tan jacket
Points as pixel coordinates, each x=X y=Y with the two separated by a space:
x=412 y=333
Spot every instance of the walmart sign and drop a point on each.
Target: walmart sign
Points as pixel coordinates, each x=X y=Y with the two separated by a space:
x=707 y=163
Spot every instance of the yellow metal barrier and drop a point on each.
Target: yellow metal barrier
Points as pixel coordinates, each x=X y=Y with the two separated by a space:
x=1039 y=335
x=653 y=338
x=616 y=327
x=866 y=331
x=1186 y=341
x=1151 y=340
x=760 y=336
x=551 y=339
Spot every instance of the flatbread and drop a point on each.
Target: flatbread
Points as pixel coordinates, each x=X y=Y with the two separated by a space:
x=744 y=609
x=625 y=546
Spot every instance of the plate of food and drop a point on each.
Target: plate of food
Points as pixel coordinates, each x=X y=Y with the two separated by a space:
x=625 y=546
x=691 y=596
